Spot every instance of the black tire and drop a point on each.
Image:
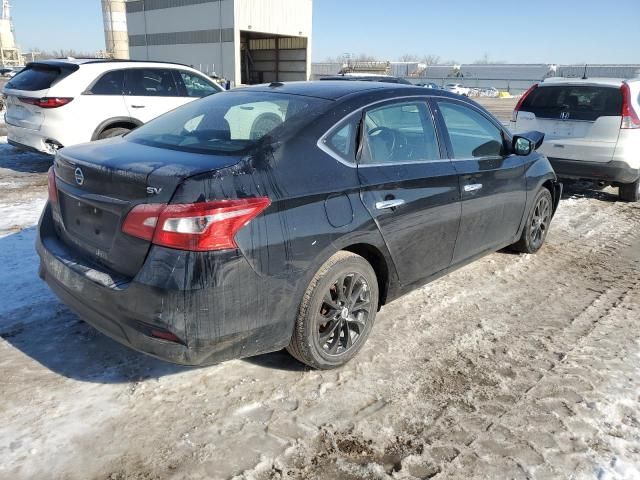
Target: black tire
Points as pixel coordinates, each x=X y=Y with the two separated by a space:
x=630 y=192
x=332 y=328
x=537 y=226
x=113 y=132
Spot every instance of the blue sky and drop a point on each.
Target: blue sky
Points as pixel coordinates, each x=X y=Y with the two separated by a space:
x=545 y=31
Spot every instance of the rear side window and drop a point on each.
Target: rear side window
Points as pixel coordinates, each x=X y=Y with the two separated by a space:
x=150 y=82
x=471 y=134
x=343 y=139
x=111 y=83
x=34 y=78
x=195 y=85
x=399 y=133
x=581 y=102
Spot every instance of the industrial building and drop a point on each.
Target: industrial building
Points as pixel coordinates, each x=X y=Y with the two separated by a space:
x=245 y=41
x=9 y=52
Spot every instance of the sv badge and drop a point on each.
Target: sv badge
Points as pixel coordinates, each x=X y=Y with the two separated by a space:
x=153 y=190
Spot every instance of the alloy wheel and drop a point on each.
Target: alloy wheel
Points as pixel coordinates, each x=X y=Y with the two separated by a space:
x=344 y=313
x=540 y=222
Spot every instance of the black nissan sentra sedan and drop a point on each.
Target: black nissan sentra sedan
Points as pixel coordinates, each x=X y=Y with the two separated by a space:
x=285 y=215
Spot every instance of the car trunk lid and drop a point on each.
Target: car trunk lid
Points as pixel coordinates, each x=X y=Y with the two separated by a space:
x=580 y=122
x=98 y=184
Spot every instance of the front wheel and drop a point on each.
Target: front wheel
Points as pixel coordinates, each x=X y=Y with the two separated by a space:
x=630 y=192
x=337 y=312
x=537 y=226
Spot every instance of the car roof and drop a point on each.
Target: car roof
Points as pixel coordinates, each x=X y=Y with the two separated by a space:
x=613 y=82
x=338 y=89
x=66 y=62
x=329 y=89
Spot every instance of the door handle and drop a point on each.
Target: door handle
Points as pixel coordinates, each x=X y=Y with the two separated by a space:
x=389 y=204
x=138 y=106
x=474 y=187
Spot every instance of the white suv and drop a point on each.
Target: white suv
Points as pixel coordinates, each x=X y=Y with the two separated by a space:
x=457 y=88
x=592 y=129
x=56 y=103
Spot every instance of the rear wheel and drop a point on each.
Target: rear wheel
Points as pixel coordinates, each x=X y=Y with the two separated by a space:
x=113 y=132
x=337 y=312
x=537 y=226
x=630 y=192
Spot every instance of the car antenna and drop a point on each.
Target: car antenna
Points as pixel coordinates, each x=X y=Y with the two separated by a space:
x=584 y=75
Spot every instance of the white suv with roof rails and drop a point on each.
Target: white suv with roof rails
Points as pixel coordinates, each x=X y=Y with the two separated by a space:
x=592 y=129
x=57 y=103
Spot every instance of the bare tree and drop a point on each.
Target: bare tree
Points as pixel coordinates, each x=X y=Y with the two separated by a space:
x=430 y=59
x=486 y=60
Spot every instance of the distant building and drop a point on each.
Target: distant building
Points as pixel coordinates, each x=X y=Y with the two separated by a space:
x=245 y=41
x=9 y=52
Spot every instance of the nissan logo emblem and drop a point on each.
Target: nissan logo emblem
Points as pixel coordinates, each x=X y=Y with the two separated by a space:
x=79 y=176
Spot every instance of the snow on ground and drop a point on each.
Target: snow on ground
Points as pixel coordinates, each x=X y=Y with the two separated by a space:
x=516 y=366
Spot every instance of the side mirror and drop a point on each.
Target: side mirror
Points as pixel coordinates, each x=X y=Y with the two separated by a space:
x=522 y=146
x=526 y=143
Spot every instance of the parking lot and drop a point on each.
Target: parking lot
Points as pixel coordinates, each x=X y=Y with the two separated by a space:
x=516 y=366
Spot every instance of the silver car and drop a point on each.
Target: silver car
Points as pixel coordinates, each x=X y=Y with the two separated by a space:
x=592 y=129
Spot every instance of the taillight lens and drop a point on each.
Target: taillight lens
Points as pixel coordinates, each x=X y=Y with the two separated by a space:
x=51 y=184
x=521 y=101
x=196 y=227
x=630 y=119
x=46 y=102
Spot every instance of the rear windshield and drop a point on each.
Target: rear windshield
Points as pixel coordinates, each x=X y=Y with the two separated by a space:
x=34 y=78
x=574 y=102
x=229 y=122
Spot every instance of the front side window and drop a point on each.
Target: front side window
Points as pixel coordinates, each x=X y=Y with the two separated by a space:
x=399 y=133
x=472 y=135
x=197 y=86
x=111 y=83
x=150 y=82
x=229 y=123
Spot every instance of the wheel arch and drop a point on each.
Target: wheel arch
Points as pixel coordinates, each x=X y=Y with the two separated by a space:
x=116 y=122
x=379 y=264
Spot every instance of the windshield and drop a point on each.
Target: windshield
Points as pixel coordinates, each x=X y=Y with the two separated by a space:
x=228 y=122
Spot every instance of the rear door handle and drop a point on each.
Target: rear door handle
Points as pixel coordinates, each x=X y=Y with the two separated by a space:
x=389 y=204
x=474 y=187
x=138 y=106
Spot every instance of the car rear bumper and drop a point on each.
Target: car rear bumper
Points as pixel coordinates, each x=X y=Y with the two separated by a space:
x=212 y=324
x=32 y=140
x=614 y=172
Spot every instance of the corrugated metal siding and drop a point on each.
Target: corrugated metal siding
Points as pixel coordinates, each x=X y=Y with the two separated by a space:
x=146 y=5
x=280 y=17
x=182 y=38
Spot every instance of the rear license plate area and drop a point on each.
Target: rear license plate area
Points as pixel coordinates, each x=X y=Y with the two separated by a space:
x=88 y=223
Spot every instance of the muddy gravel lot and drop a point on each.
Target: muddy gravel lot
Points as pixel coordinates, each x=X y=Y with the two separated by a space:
x=516 y=366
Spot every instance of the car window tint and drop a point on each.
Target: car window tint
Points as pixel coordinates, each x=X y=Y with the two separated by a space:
x=196 y=85
x=399 y=133
x=472 y=135
x=579 y=102
x=151 y=82
x=111 y=83
x=34 y=78
x=230 y=123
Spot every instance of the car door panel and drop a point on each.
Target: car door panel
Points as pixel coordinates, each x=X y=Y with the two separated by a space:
x=492 y=187
x=415 y=201
x=151 y=92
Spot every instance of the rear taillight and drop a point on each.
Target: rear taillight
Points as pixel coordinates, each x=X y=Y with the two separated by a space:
x=521 y=101
x=46 y=102
x=51 y=183
x=630 y=117
x=195 y=227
